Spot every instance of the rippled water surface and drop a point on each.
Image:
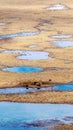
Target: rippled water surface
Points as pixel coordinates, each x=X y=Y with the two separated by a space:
x=28 y=116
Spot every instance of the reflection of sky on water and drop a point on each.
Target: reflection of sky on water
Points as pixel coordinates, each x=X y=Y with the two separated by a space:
x=30 y=55
x=63 y=43
x=22 y=113
x=22 y=34
x=22 y=69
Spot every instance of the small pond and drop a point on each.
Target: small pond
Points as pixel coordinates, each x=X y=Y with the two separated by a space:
x=22 y=69
x=22 y=116
x=33 y=46
x=22 y=34
x=44 y=24
x=24 y=90
x=58 y=7
x=30 y=55
x=63 y=44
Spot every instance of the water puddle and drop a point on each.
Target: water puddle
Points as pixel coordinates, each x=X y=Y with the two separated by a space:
x=22 y=34
x=34 y=55
x=3 y=24
x=20 y=116
x=22 y=90
x=58 y=7
x=22 y=69
x=65 y=87
x=45 y=24
x=63 y=44
x=30 y=55
x=61 y=36
x=33 y=46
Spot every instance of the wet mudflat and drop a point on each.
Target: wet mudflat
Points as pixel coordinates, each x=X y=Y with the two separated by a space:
x=29 y=55
x=22 y=69
x=24 y=90
x=33 y=116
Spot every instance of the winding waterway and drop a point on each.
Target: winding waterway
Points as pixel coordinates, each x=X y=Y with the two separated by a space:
x=24 y=90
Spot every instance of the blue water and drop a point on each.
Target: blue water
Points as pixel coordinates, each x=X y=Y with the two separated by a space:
x=23 y=90
x=65 y=87
x=22 y=116
x=22 y=34
x=63 y=43
x=18 y=90
x=22 y=69
x=22 y=128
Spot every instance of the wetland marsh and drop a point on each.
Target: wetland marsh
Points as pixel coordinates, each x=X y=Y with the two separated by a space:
x=36 y=65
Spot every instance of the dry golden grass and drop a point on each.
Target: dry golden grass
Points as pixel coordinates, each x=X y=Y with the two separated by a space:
x=40 y=97
x=64 y=127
